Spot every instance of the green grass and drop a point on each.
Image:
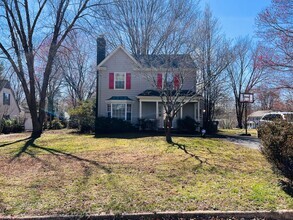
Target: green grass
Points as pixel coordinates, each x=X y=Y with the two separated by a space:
x=63 y=173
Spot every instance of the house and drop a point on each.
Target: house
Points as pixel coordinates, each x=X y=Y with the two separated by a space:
x=129 y=88
x=8 y=106
x=254 y=118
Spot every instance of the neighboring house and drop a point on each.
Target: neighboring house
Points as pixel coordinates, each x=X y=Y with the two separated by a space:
x=254 y=118
x=8 y=106
x=125 y=91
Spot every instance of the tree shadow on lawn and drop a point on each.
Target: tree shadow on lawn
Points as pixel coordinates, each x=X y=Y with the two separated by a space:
x=183 y=147
x=14 y=142
x=130 y=135
x=141 y=134
x=287 y=187
x=30 y=144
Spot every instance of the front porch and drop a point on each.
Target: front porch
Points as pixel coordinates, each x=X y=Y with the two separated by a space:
x=151 y=108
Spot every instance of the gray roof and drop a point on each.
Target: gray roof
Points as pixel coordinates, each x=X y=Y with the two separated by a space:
x=120 y=98
x=150 y=92
x=259 y=113
x=4 y=84
x=166 y=61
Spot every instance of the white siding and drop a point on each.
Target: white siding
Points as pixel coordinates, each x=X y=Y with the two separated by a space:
x=121 y=62
x=12 y=110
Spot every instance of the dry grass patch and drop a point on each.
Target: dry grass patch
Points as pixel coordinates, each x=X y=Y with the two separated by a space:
x=238 y=131
x=64 y=173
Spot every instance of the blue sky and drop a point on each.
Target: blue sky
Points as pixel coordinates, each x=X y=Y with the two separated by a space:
x=237 y=17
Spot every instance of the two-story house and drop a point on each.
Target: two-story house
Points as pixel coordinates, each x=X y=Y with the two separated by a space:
x=8 y=105
x=131 y=89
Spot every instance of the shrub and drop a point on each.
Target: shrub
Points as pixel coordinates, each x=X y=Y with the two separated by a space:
x=187 y=124
x=12 y=126
x=147 y=124
x=84 y=116
x=113 y=125
x=277 y=146
x=56 y=125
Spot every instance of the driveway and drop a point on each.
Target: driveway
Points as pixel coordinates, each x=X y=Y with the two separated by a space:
x=246 y=141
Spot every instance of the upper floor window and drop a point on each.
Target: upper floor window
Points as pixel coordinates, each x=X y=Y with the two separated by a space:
x=168 y=80
x=6 y=99
x=120 y=80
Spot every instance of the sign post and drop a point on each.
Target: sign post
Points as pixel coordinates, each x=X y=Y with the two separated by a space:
x=246 y=98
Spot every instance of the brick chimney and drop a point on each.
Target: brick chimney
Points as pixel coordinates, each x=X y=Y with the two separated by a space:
x=101 y=49
x=101 y=54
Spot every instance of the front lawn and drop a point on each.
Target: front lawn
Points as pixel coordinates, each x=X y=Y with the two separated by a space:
x=238 y=131
x=65 y=173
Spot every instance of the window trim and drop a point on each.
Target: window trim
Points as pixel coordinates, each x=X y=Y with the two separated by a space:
x=125 y=103
x=124 y=73
x=8 y=100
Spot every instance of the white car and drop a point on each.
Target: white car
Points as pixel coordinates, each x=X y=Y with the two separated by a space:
x=274 y=116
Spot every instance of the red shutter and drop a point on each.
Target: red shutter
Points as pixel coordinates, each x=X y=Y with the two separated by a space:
x=176 y=81
x=159 y=81
x=111 y=80
x=128 y=80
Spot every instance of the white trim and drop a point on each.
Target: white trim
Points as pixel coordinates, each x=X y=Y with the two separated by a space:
x=115 y=80
x=125 y=103
x=198 y=109
x=119 y=101
x=157 y=109
x=115 y=51
x=140 y=108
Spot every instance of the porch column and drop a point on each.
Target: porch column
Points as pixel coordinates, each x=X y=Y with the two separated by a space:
x=140 y=108
x=198 y=109
x=181 y=111
x=157 y=110
x=194 y=111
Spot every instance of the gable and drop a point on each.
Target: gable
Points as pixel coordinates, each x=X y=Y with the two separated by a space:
x=118 y=57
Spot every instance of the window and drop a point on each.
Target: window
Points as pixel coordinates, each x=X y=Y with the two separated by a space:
x=289 y=117
x=128 y=115
x=6 y=99
x=120 y=80
x=121 y=111
x=118 y=111
x=168 y=81
x=109 y=110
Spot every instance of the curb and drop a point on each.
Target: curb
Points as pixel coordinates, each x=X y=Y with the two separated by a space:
x=200 y=215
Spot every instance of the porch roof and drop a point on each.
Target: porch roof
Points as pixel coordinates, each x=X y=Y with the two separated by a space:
x=150 y=92
x=124 y=98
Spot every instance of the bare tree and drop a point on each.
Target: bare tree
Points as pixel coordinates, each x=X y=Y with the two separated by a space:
x=176 y=70
x=274 y=26
x=212 y=56
x=78 y=70
x=148 y=26
x=25 y=25
x=244 y=72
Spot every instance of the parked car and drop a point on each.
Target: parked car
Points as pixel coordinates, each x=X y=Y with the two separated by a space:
x=275 y=116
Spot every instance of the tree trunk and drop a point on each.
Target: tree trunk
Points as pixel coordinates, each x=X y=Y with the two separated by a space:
x=168 y=125
x=239 y=114
x=37 y=128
